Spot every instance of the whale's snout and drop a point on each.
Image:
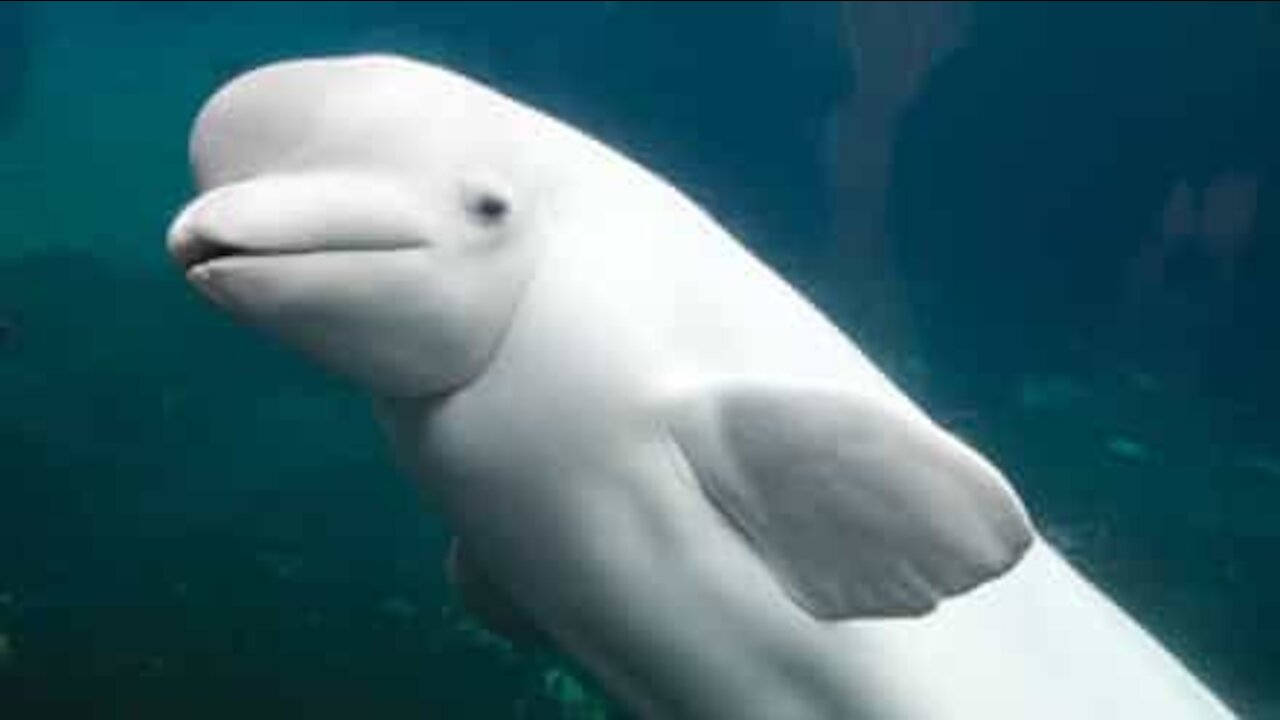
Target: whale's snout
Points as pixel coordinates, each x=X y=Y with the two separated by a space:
x=291 y=214
x=190 y=249
x=190 y=245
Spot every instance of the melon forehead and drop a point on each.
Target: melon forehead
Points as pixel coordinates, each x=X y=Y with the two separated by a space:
x=340 y=111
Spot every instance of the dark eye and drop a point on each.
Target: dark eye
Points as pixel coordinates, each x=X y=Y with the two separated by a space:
x=489 y=208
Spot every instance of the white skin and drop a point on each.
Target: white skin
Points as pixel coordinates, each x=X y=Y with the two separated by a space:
x=527 y=307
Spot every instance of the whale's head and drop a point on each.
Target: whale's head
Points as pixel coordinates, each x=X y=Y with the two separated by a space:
x=381 y=215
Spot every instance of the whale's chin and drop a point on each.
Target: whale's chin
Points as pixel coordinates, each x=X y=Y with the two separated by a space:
x=383 y=318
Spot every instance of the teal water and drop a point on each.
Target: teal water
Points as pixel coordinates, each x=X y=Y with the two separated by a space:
x=1055 y=225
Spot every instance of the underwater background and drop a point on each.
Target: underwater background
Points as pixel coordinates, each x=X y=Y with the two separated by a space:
x=1054 y=224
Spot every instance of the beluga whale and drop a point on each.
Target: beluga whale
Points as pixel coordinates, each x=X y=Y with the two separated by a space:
x=653 y=452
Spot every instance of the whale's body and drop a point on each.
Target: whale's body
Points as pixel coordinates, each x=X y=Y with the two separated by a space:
x=691 y=481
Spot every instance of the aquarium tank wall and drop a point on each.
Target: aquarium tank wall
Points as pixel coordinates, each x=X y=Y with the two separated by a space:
x=1053 y=224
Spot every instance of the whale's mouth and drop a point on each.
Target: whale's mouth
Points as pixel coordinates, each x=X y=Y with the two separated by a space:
x=197 y=250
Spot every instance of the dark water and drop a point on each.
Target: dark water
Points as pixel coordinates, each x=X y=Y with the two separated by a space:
x=1054 y=224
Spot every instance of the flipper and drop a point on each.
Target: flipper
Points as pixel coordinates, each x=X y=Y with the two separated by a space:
x=859 y=508
x=486 y=602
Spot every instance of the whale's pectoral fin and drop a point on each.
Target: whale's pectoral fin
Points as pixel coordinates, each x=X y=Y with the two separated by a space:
x=486 y=602
x=858 y=508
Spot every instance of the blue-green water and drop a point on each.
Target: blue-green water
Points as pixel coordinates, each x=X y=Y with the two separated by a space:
x=1055 y=225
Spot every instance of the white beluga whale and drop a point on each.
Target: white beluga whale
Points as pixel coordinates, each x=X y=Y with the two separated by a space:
x=652 y=450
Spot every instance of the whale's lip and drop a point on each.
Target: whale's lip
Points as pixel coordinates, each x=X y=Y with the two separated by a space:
x=197 y=250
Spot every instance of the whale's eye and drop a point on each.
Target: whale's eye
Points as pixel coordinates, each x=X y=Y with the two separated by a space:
x=489 y=208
